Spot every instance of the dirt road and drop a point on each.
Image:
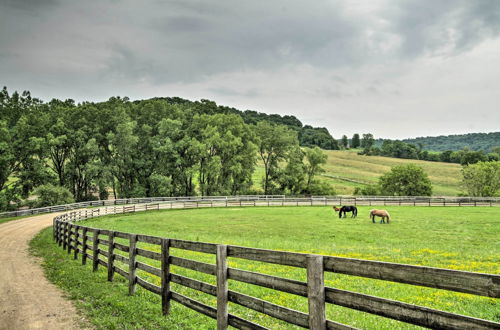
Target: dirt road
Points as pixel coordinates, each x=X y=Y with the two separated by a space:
x=27 y=299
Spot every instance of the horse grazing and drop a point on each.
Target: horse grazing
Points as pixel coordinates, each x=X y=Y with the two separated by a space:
x=345 y=209
x=380 y=213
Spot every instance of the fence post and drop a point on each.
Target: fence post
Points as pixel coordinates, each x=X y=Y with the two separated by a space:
x=56 y=230
x=131 y=265
x=222 y=287
x=95 y=250
x=111 y=256
x=77 y=236
x=64 y=239
x=84 y=246
x=165 y=276
x=316 y=292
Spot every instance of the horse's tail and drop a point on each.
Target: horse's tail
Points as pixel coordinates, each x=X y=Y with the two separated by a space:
x=388 y=216
x=355 y=211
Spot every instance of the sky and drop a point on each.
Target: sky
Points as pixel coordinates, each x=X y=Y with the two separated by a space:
x=393 y=68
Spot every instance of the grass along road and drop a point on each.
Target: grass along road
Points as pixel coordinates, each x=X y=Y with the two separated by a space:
x=456 y=238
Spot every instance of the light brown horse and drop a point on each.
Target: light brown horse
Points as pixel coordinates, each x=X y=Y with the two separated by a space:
x=380 y=213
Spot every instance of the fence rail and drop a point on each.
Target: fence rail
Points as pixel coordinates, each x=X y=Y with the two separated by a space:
x=249 y=199
x=89 y=242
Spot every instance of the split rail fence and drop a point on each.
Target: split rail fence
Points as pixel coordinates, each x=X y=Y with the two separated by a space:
x=100 y=246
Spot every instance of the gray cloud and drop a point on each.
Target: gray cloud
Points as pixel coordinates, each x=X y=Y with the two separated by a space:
x=275 y=56
x=444 y=27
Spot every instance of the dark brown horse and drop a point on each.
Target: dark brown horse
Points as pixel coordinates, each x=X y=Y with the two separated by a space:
x=345 y=209
x=380 y=213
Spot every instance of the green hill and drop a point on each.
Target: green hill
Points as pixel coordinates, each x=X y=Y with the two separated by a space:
x=474 y=141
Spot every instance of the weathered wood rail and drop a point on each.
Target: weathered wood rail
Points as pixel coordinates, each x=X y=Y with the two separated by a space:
x=81 y=240
x=274 y=200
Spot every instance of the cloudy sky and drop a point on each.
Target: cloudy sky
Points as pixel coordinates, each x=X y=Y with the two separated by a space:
x=397 y=69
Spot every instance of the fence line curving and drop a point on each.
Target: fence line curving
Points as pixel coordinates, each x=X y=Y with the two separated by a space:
x=327 y=200
x=120 y=258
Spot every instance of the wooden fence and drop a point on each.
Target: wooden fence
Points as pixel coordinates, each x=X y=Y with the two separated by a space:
x=100 y=247
x=288 y=200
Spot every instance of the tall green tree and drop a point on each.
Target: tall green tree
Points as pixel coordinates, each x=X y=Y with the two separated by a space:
x=482 y=179
x=355 y=143
x=367 y=141
x=345 y=141
x=274 y=142
x=314 y=159
x=293 y=176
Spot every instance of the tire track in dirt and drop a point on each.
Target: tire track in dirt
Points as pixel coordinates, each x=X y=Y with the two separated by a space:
x=27 y=299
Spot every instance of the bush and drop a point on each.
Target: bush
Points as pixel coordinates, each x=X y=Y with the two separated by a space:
x=368 y=190
x=320 y=188
x=405 y=180
x=48 y=195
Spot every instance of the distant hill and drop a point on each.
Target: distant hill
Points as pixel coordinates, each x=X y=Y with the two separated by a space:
x=474 y=141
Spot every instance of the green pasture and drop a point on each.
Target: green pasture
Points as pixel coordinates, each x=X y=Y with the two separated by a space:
x=462 y=238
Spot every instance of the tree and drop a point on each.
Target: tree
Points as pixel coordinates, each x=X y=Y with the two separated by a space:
x=355 y=141
x=367 y=141
x=315 y=158
x=227 y=154
x=471 y=157
x=292 y=178
x=482 y=179
x=405 y=180
x=317 y=136
x=273 y=143
x=345 y=141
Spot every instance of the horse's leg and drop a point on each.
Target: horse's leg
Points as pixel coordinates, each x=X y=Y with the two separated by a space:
x=373 y=218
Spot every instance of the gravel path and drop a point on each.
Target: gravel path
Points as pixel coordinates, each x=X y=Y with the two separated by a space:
x=27 y=299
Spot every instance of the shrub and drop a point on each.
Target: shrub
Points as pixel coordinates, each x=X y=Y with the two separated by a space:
x=405 y=180
x=48 y=195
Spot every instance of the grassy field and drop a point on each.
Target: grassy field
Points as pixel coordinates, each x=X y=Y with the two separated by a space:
x=346 y=170
x=456 y=238
x=445 y=177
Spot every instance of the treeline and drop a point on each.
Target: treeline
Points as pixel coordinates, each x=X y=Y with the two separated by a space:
x=308 y=136
x=400 y=149
x=485 y=142
x=156 y=147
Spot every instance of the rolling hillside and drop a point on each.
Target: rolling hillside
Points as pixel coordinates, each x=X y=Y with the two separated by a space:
x=346 y=170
